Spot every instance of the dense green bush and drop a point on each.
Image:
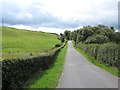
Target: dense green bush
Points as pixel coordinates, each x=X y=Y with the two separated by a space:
x=96 y=39
x=96 y=34
x=117 y=38
x=58 y=45
x=106 y=53
x=16 y=72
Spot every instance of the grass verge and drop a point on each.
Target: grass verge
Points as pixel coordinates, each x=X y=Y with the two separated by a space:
x=50 y=78
x=112 y=70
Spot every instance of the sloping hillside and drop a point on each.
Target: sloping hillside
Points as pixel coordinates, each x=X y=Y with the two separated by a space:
x=26 y=41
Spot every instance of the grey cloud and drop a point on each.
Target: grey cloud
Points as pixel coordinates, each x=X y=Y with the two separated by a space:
x=46 y=19
x=38 y=18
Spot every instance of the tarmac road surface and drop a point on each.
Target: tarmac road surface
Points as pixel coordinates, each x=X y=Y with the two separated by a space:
x=80 y=73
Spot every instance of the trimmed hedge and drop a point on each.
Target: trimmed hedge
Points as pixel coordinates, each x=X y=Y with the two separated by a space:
x=106 y=53
x=17 y=71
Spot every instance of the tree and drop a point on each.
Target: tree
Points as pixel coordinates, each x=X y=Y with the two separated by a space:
x=62 y=38
x=97 y=39
x=67 y=34
x=117 y=37
x=75 y=37
x=112 y=28
x=84 y=33
x=97 y=34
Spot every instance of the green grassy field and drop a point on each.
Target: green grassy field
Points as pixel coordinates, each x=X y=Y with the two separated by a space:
x=21 y=43
x=50 y=78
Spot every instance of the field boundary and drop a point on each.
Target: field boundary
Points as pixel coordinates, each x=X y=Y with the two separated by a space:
x=16 y=72
x=50 y=77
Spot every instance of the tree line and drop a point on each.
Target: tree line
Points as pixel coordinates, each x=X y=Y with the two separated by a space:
x=92 y=35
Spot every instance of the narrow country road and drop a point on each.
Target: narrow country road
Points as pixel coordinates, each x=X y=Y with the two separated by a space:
x=80 y=73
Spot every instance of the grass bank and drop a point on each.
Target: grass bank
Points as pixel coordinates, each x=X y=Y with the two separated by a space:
x=50 y=78
x=113 y=70
x=23 y=43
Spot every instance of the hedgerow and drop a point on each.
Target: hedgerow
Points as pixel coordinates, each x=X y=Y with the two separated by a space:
x=106 y=53
x=17 y=71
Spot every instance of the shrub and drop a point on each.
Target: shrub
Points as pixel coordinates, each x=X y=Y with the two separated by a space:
x=97 y=39
x=58 y=45
x=109 y=54
x=117 y=37
x=17 y=71
x=106 y=53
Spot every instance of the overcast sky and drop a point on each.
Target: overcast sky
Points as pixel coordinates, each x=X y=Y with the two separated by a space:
x=58 y=15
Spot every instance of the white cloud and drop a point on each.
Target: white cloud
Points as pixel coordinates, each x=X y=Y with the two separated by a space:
x=24 y=15
x=47 y=14
x=21 y=27
x=44 y=29
x=66 y=9
x=22 y=3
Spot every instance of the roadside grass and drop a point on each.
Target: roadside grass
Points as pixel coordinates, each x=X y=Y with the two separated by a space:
x=113 y=70
x=50 y=77
x=17 y=42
